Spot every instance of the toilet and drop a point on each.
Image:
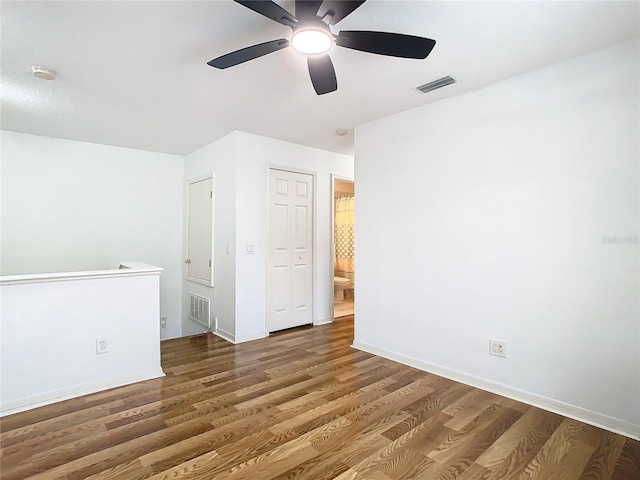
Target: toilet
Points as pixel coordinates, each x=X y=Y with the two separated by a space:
x=339 y=286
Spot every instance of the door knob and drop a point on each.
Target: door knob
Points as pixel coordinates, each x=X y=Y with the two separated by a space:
x=300 y=257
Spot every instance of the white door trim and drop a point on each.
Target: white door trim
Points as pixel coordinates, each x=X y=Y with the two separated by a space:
x=332 y=242
x=314 y=257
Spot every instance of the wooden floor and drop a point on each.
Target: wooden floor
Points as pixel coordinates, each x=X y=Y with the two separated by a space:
x=343 y=308
x=303 y=404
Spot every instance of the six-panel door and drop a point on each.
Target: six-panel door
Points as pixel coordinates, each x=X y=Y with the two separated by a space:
x=290 y=250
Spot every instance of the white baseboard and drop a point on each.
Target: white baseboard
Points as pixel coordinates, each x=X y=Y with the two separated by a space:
x=323 y=321
x=230 y=337
x=54 y=396
x=251 y=336
x=596 y=419
x=163 y=339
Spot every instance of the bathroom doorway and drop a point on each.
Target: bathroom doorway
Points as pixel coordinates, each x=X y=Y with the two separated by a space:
x=343 y=244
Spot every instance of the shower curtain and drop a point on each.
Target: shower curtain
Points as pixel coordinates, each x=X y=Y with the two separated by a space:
x=344 y=238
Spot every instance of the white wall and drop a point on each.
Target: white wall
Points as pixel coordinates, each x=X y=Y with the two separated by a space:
x=219 y=158
x=69 y=205
x=255 y=153
x=239 y=162
x=39 y=365
x=491 y=224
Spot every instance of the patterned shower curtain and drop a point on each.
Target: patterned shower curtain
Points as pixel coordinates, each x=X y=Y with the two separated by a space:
x=344 y=237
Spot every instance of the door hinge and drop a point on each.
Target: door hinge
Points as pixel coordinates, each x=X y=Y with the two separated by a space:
x=209 y=263
x=188 y=260
x=211 y=194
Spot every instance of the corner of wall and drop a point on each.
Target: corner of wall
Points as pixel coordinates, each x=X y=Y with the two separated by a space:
x=219 y=158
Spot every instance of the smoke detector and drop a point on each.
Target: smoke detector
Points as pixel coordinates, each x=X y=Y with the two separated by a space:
x=43 y=73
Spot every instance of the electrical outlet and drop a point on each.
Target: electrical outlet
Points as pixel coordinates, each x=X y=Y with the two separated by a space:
x=497 y=348
x=101 y=345
x=163 y=322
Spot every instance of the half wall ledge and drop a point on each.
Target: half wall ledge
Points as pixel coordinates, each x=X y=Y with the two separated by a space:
x=51 y=325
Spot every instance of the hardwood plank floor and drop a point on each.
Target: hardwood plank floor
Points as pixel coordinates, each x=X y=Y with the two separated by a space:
x=302 y=404
x=343 y=308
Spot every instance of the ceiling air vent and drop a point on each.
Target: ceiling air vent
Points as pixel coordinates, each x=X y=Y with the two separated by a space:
x=441 y=82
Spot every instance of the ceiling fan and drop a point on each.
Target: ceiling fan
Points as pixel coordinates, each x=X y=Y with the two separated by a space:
x=312 y=36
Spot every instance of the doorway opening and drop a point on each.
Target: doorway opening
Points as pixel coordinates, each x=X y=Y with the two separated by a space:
x=343 y=241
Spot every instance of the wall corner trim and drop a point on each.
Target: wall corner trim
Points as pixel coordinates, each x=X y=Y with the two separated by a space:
x=590 y=417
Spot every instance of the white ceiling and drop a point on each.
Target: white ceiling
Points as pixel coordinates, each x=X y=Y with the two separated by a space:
x=134 y=74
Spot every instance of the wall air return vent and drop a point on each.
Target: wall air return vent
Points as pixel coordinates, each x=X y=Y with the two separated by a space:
x=441 y=82
x=199 y=310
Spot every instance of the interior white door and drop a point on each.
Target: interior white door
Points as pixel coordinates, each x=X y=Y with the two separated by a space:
x=290 y=250
x=200 y=232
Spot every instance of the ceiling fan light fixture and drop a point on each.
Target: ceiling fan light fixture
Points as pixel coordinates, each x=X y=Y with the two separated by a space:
x=312 y=36
x=311 y=41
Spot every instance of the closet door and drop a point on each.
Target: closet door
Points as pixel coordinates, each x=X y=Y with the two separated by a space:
x=200 y=231
x=290 y=250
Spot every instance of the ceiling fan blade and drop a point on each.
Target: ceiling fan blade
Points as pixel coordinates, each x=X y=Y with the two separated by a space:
x=323 y=75
x=270 y=10
x=340 y=9
x=248 y=53
x=307 y=8
x=383 y=43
